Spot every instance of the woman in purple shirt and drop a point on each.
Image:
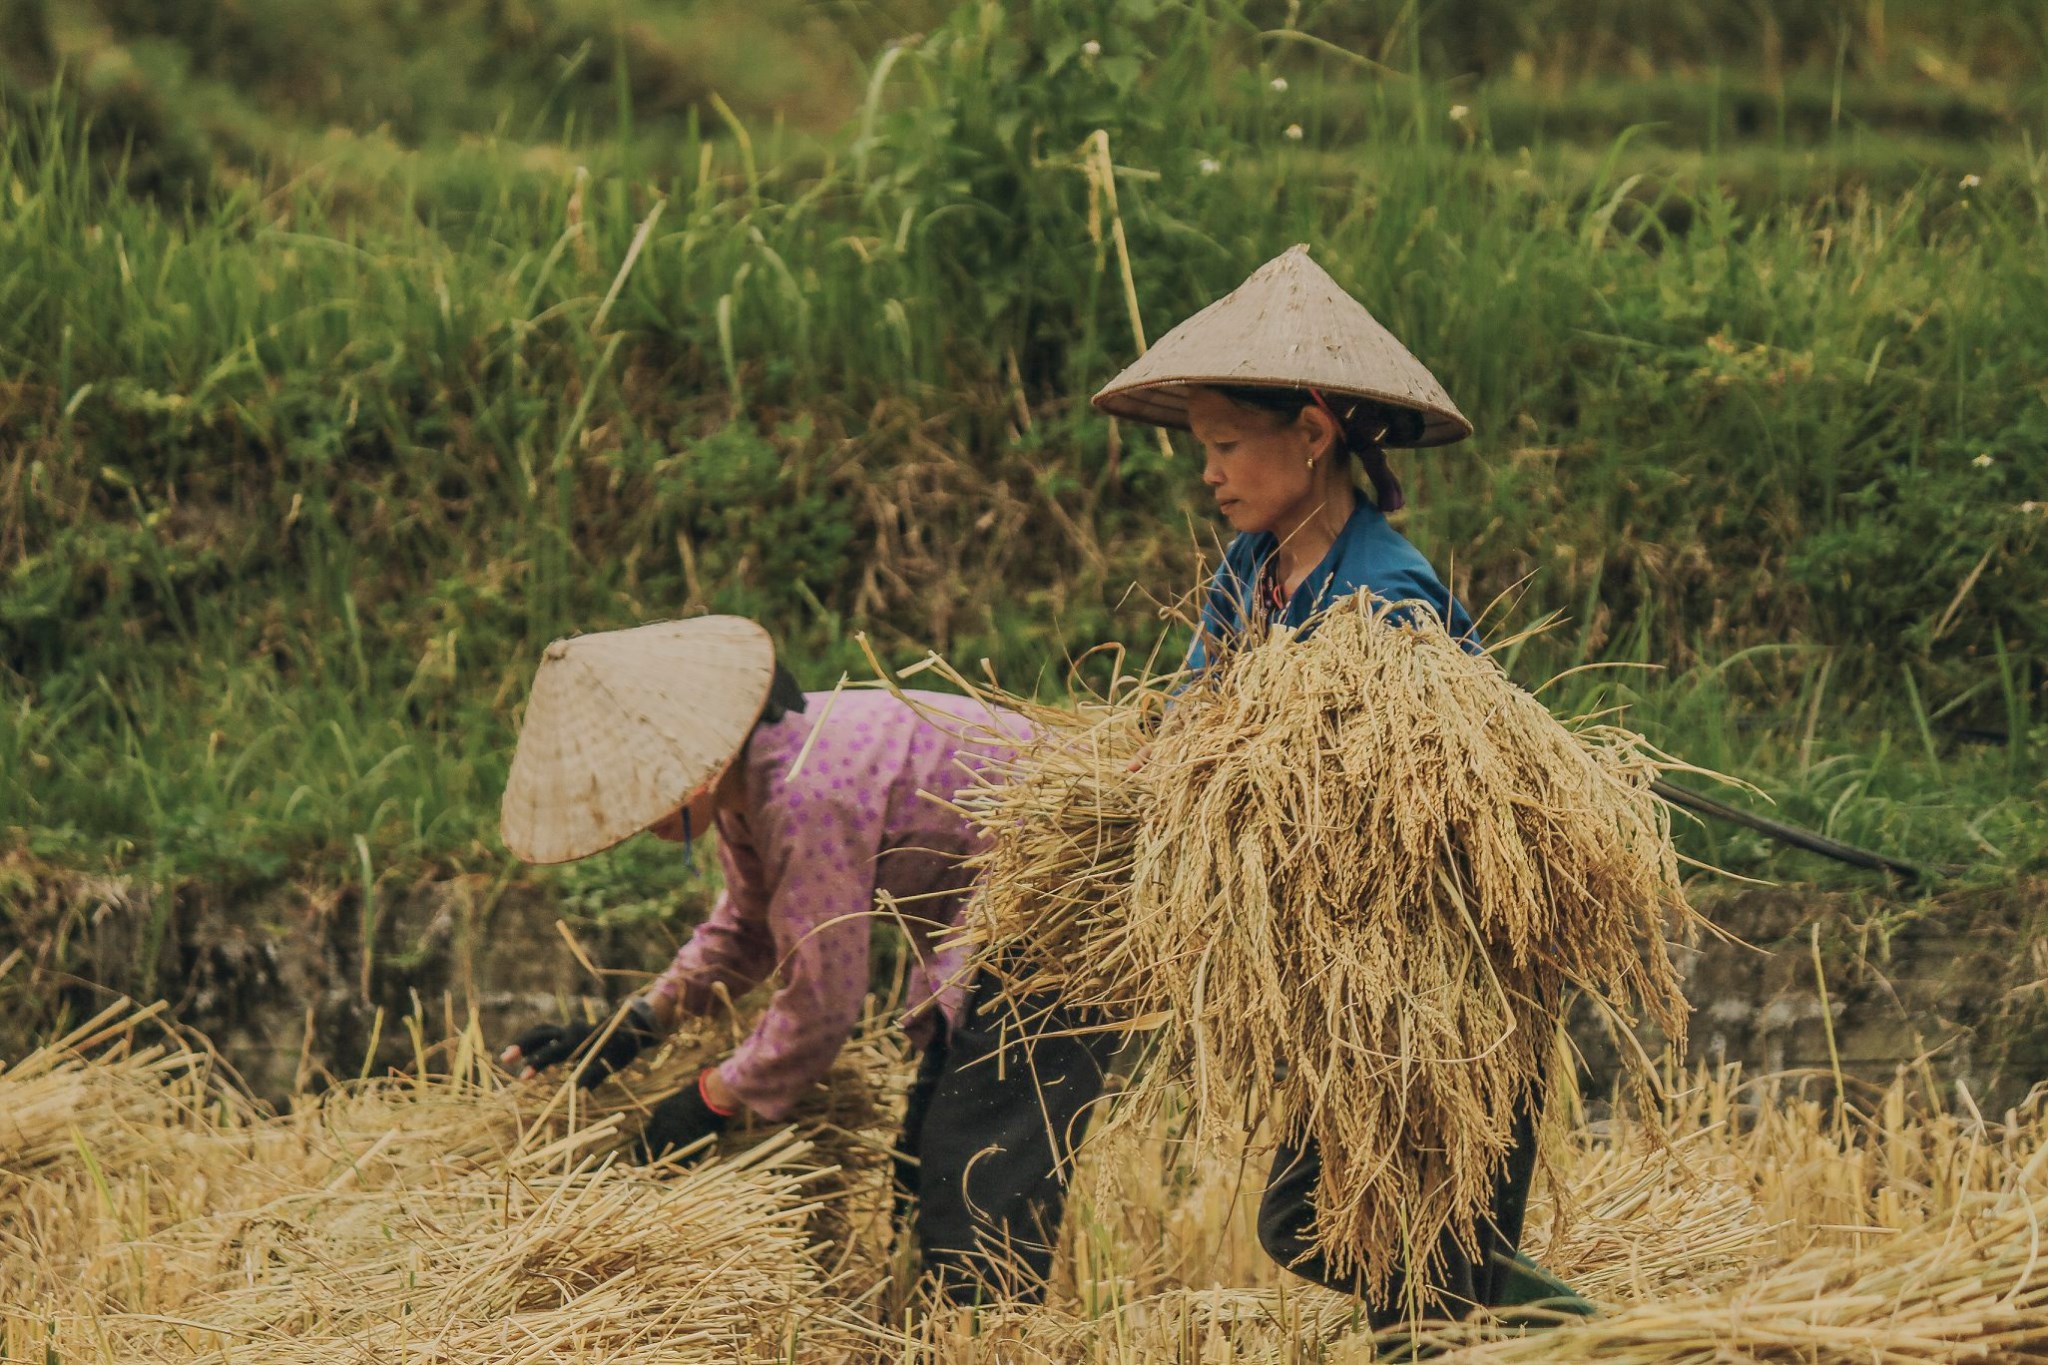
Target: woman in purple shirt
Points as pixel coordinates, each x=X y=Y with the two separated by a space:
x=823 y=804
x=805 y=851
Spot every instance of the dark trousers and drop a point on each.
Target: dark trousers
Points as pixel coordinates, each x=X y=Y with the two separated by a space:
x=988 y=1139
x=986 y=1155
x=1286 y=1222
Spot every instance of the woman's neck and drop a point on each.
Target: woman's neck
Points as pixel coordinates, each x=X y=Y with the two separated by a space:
x=1307 y=535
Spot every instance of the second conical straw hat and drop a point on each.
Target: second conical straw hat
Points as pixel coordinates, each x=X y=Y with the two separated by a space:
x=624 y=725
x=1288 y=326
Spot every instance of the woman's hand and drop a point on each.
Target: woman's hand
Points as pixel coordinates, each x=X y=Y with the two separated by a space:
x=719 y=1093
x=686 y=1118
x=546 y=1045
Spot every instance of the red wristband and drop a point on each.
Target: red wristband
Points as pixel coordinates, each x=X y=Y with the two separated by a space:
x=704 y=1094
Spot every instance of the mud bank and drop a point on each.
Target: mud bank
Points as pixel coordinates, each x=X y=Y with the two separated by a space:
x=292 y=984
x=282 y=983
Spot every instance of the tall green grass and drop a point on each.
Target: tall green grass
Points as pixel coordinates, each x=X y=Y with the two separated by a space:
x=202 y=94
x=297 y=477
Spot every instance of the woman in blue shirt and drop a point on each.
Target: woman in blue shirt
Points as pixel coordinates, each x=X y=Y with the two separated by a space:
x=1280 y=464
x=1293 y=390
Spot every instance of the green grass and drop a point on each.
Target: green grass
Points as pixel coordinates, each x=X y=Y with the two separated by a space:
x=297 y=474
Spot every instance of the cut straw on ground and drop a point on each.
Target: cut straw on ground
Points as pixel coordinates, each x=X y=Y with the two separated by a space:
x=147 y=1212
x=1738 y=1223
x=1744 y=1220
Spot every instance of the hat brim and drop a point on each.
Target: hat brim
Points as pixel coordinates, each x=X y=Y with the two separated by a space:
x=1164 y=403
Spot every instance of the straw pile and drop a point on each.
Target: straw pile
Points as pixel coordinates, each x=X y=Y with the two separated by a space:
x=1721 y=1229
x=127 y=1091
x=1895 y=1233
x=1350 y=884
x=174 y=1223
x=147 y=1213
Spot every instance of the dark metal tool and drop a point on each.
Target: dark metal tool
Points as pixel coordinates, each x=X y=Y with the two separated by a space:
x=1812 y=842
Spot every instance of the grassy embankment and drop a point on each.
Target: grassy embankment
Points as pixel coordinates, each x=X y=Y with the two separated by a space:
x=324 y=403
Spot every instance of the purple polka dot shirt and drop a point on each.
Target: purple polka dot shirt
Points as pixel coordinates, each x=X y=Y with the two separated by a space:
x=804 y=866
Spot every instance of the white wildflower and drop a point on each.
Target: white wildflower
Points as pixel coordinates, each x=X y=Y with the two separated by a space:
x=1969 y=182
x=1280 y=85
x=1210 y=165
x=1294 y=132
x=1984 y=461
x=1459 y=113
x=1091 y=48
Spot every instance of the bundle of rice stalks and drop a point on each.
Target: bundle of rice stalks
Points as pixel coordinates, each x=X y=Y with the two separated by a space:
x=459 y=1113
x=441 y=1216
x=95 y=1084
x=1646 y=1213
x=1350 y=883
x=557 y=1254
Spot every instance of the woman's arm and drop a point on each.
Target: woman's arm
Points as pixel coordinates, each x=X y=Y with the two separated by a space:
x=822 y=936
x=820 y=870
x=732 y=949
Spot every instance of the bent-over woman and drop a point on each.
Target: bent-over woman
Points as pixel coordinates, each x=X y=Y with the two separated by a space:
x=822 y=803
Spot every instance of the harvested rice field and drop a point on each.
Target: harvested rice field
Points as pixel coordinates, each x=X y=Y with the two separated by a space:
x=149 y=1213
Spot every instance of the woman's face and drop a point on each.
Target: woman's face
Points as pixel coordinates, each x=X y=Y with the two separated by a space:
x=1258 y=465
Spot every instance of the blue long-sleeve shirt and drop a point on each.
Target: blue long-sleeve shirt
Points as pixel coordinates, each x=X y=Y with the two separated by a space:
x=1367 y=554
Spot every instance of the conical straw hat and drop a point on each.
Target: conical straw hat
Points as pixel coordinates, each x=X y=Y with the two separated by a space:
x=622 y=726
x=1289 y=326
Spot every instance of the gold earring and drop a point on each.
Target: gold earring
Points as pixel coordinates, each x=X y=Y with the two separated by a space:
x=1311 y=464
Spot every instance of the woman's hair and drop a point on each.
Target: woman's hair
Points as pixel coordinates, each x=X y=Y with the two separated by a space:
x=1363 y=428
x=784 y=696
